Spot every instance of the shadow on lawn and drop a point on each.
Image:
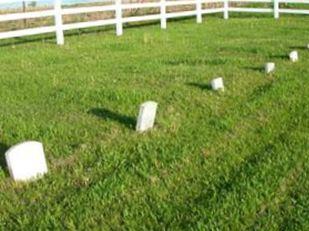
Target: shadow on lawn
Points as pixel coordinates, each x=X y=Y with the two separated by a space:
x=299 y=47
x=109 y=115
x=258 y=69
x=3 y=149
x=201 y=86
x=279 y=57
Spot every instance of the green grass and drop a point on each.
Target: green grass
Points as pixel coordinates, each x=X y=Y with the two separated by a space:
x=217 y=161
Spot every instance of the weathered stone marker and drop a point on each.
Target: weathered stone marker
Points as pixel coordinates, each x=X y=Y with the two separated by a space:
x=26 y=161
x=308 y=46
x=217 y=84
x=269 y=67
x=294 y=56
x=146 y=116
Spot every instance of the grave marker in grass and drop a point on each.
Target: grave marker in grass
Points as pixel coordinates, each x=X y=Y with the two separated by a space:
x=269 y=67
x=293 y=56
x=26 y=161
x=146 y=116
x=217 y=84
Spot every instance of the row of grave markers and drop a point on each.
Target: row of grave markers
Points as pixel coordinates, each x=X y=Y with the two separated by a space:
x=26 y=161
x=270 y=67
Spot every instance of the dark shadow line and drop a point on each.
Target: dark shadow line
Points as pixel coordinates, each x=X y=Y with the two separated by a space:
x=298 y=47
x=258 y=69
x=106 y=114
x=24 y=40
x=50 y=37
x=201 y=86
x=3 y=149
x=279 y=57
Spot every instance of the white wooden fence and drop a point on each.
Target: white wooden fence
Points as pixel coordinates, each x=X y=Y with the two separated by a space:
x=58 y=12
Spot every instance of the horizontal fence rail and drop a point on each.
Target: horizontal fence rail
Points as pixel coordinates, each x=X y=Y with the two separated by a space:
x=117 y=8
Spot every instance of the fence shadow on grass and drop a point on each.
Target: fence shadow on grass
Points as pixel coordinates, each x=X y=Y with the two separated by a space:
x=201 y=86
x=106 y=114
x=24 y=40
x=3 y=149
x=51 y=37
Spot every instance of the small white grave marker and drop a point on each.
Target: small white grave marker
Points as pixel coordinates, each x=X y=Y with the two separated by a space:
x=294 y=56
x=146 y=116
x=269 y=67
x=217 y=84
x=26 y=161
x=308 y=46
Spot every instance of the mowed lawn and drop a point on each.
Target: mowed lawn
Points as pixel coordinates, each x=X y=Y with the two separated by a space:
x=233 y=160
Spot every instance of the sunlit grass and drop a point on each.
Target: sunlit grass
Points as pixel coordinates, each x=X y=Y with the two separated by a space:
x=233 y=160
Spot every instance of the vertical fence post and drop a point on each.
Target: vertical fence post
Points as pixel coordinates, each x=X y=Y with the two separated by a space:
x=276 y=9
x=58 y=22
x=119 y=30
x=199 y=11
x=226 y=9
x=24 y=11
x=163 y=13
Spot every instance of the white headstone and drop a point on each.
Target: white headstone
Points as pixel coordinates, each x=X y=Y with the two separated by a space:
x=308 y=45
x=146 y=116
x=294 y=56
x=217 y=84
x=26 y=161
x=269 y=67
